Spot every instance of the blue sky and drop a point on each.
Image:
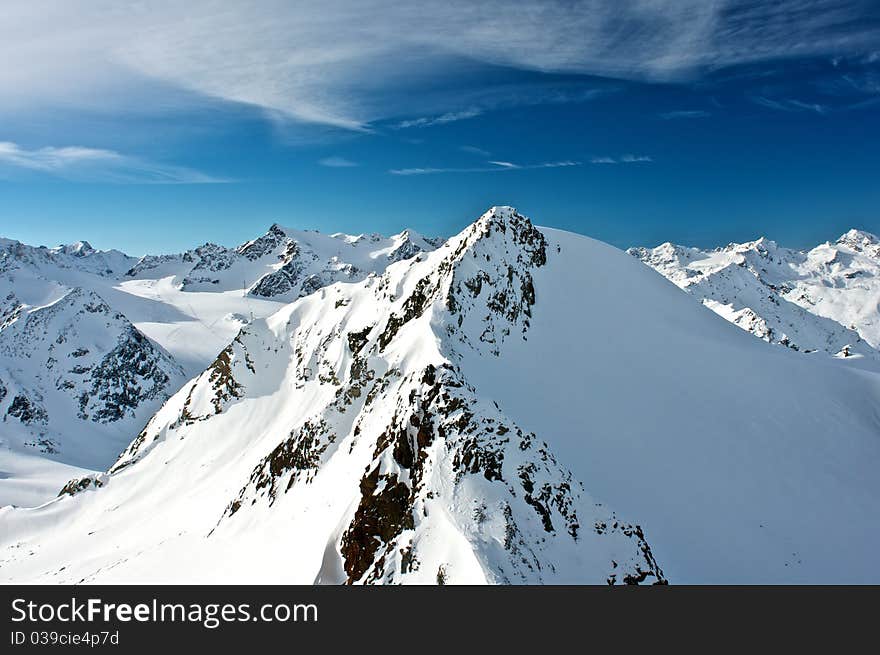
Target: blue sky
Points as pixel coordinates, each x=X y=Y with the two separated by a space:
x=153 y=127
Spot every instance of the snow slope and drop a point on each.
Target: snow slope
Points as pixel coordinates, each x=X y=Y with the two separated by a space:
x=461 y=417
x=193 y=303
x=76 y=379
x=189 y=306
x=826 y=299
x=216 y=290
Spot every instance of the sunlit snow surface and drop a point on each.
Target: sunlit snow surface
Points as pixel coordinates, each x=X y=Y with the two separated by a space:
x=741 y=461
x=189 y=305
x=826 y=299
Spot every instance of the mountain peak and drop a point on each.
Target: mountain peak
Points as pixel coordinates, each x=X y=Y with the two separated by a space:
x=500 y=226
x=858 y=238
x=771 y=291
x=503 y=214
x=416 y=456
x=503 y=218
x=76 y=249
x=764 y=242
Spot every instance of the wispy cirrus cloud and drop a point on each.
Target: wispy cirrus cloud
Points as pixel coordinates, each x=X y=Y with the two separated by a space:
x=790 y=104
x=493 y=167
x=684 y=113
x=855 y=89
x=83 y=164
x=337 y=162
x=623 y=159
x=473 y=150
x=442 y=119
x=318 y=61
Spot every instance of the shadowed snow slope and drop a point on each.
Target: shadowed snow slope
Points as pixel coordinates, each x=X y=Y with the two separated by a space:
x=460 y=418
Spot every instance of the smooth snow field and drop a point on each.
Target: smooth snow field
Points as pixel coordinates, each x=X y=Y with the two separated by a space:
x=744 y=462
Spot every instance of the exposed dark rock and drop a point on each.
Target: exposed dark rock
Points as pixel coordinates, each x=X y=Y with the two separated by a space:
x=78 y=485
x=262 y=246
x=383 y=514
x=222 y=380
x=300 y=453
x=357 y=340
x=26 y=411
x=413 y=307
x=279 y=282
x=127 y=376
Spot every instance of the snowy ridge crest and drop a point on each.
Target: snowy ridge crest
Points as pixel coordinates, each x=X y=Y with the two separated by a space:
x=80 y=256
x=283 y=264
x=428 y=461
x=190 y=305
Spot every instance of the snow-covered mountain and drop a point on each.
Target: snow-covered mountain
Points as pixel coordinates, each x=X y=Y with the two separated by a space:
x=92 y=342
x=76 y=257
x=194 y=303
x=283 y=264
x=826 y=299
x=520 y=405
x=76 y=378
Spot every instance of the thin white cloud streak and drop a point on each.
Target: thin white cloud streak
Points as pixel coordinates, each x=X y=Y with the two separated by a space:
x=623 y=159
x=346 y=64
x=78 y=163
x=684 y=113
x=51 y=158
x=855 y=90
x=475 y=151
x=789 y=104
x=337 y=162
x=497 y=166
x=449 y=117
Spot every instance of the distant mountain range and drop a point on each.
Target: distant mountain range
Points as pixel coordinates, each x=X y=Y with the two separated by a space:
x=825 y=299
x=93 y=342
x=513 y=405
